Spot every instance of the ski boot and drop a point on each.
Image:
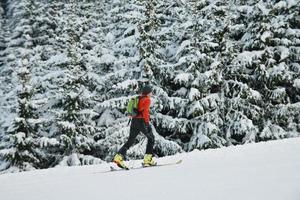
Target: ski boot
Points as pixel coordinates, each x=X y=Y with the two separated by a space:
x=118 y=159
x=148 y=161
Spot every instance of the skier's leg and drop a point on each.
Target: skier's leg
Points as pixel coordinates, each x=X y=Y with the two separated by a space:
x=132 y=135
x=148 y=161
x=146 y=130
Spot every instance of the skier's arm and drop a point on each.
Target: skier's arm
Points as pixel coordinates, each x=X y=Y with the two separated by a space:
x=147 y=110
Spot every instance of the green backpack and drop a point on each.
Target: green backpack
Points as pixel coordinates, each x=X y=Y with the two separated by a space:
x=132 y=107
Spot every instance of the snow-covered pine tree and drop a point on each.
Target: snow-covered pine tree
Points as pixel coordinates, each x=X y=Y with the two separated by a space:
x=72 y=126
x=151 y=47
x=232 y=107
x=21 y=123
x=13 y=38
x=119 y=73
x=147 y=40
x=166 y=36
x=18 y=35
x=124 y=79
x=2 y=21
x=224 y=72
x=47 y=75
x=190 y=76
x=20 y=141
x=260 y=76
x=2 y=47
x=279 y=34
x=209 y=27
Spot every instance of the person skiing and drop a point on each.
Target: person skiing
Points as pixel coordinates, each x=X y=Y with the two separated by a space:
x=139 y=123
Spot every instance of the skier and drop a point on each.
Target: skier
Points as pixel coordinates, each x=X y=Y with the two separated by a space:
x=140 y=123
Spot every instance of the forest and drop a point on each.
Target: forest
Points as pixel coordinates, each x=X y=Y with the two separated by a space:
x=223 y=73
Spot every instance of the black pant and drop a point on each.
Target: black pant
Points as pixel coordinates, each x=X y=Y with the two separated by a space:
x=138 y=125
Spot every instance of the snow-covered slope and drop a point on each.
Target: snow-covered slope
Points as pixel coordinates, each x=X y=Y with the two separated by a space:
x=263 y=171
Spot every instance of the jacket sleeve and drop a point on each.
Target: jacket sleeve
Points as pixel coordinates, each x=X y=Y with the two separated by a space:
x=146 y=112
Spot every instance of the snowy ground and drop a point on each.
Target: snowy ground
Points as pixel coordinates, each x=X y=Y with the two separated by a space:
x=264 y=171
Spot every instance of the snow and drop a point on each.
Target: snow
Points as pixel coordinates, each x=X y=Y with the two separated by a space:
x=23 y=70
x=67 y=125
x=205 y=57
x=198 y=140
x=182 y=78
x=44 y=142
x=263 y=9
x=280 y=4
x=126 y=84
x=20 y=136
x=278 y=93
x=297 y=83
x=255 y=94
x=58 y=59
x=183 y=45
x=284 y=52
x=129 y=41
x=273 y=131
x=194 y=93
x=265 y=35
x=72 y=160
x=292 y=3
x=107 y=59
x=262 y=171
x=247 y=57
x=195 y=107
x=109 y=38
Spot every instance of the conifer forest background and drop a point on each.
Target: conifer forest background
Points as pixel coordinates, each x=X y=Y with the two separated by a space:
x=224 y=72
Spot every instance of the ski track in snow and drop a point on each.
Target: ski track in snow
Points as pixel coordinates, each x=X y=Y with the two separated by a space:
x=262 y=171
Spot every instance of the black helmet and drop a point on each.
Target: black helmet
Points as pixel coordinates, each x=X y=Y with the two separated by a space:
x=146 y=89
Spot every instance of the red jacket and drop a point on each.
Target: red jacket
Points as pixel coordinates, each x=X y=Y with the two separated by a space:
x=144 y=108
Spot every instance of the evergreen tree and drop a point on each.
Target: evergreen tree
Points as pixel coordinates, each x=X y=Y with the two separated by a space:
x=132 y=69
x=20 y=141
x=2 y=47
x=119 y=77
x=261 y=80
x=223 y=73
x=17 y=39
x=72 y=127
x=2 y=21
